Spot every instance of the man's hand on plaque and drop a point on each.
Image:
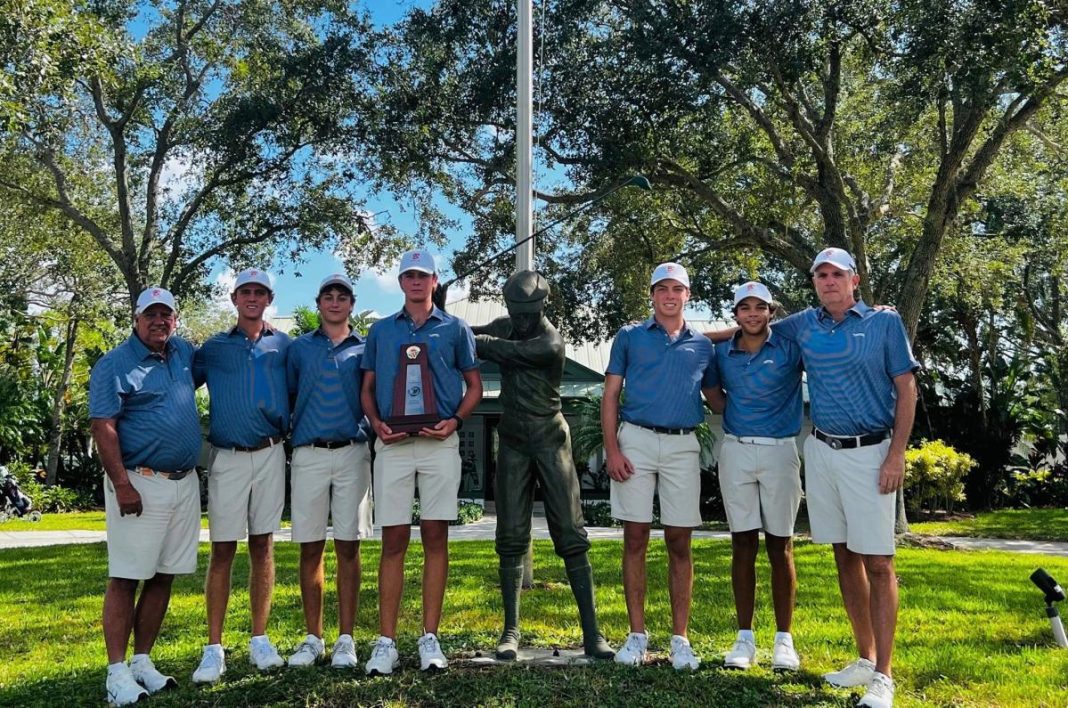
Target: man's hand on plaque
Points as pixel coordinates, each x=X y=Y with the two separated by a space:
x=386 y=434
x=442 y=430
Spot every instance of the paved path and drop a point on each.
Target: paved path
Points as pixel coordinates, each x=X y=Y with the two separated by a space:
x=483 y=530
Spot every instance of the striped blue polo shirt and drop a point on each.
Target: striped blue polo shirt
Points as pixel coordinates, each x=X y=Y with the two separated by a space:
x=151 y=398
x=851 y=366
x=324 y=380
x=247 y=385
x=763 y=389
x=451 y=351
x=662 y=379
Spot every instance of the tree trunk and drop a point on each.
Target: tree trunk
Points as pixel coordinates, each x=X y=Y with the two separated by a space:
x=59 y=405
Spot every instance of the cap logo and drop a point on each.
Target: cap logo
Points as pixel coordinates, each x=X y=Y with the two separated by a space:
x=254 y=273
x=670 y=268
x=750 y=287
x=829 y=252
x=415 y=256
x=155 y=293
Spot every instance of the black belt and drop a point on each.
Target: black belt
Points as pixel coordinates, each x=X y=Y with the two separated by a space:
x=332 y=444
x=665 y=431
x=265 y=443
x=837 y=442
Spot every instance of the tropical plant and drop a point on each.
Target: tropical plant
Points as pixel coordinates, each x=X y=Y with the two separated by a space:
x=934 y=476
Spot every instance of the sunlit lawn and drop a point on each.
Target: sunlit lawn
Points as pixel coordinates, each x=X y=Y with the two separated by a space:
x=972 y=632
x=1034 y=524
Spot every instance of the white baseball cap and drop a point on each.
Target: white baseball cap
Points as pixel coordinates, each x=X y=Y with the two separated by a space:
x=419 y=260
x=337 y=279
x=253 y=276
x=835 y=256
x=752 y=289
x=154 y=296
x=670 y=271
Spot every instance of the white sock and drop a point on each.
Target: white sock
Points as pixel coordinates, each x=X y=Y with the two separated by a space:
x=137 y=658
x=117 y=666
x=746 y=634
x=260 y=639
x=344 y=636
x=784 y=636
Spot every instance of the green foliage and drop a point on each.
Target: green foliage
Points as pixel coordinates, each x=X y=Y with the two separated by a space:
x=49 y=500
x=598 y=513
x=934 y=474
x=466 y=513
x=1039 y=486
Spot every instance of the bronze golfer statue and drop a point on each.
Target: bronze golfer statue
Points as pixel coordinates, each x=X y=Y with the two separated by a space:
x=535 y=445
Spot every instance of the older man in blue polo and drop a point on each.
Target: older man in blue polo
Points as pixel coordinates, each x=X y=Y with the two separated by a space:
x=662 y=364
x=146 y=429
x=759 y=372
x=863 y=400
x=245 y=371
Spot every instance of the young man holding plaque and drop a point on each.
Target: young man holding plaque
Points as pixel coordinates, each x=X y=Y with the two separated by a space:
x=663 y=364
x=331 y=468
x=416 y=364
x=245 y=370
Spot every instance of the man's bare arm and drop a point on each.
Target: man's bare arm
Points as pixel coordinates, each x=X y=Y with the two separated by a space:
x=892 y=471
x=106 y=436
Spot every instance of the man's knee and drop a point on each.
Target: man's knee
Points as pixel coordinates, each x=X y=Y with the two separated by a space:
x=745 y=544
x=880 y=568
x=677 y=540
x=434 y=535
x=779 y=548
x=395 y=541
x=223 y=552
x=635 y=537
x=260 y=545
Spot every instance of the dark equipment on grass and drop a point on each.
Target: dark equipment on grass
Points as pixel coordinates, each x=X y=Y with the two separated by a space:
x=14 y=503
x=1053 y=592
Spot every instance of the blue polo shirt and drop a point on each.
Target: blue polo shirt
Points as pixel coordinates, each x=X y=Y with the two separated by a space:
x=451 y=351
x=763 y=389
x=662 y=378
x=851 y=366
x=325 y=382
x=151 y=398
x=247 y=385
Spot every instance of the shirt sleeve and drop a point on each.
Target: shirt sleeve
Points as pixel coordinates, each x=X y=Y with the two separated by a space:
x=790 y=327
x=711 y=378
x=617 y=359
x=466 y=359
x=105 y=394
x=899 y=358
x=370 y=346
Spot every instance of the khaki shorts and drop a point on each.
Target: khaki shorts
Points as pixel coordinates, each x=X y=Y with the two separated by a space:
x=246 y=492
x=761 y=483
x=844 y=503
x=432 y=464
x=667 y=465
x=331 y=484
x=164 y=538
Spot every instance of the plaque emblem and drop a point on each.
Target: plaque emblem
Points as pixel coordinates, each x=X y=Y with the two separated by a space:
x=414 y=405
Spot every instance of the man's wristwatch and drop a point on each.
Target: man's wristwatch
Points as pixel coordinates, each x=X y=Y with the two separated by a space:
x=459 y=422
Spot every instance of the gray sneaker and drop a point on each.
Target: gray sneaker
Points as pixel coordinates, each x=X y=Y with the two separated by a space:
x=145 y=673
x=634 y=649
x=742 y=655
x=308 y=652
x=859 y=673
x=784 y=656
x=122 y=688
x=384 y=658
x=343 y=655
x=264 y=656
x=682 y=656
x=431 y=657
x=880 y=692
x=212 y=665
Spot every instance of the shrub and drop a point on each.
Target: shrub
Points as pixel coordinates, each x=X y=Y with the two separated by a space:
x=49 y=500
x=598 y=513
x=934 y=475
x=466 y=513
x=1042 y=486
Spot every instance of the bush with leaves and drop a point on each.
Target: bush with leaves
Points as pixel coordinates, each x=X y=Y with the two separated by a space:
x=466 y=513
x=934 y=476
x=49 y=500
x=1037 y=486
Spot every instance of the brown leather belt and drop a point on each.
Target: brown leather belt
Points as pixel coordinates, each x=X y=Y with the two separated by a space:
x=265 y=443
x=168 y=474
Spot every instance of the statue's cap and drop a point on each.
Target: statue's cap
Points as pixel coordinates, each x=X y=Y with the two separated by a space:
x=526 y=291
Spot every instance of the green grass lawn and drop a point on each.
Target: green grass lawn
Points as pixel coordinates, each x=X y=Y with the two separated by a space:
x=73 y=521
x=1034 y=524
x=972 y=632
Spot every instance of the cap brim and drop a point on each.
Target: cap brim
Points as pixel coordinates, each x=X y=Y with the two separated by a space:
x=421 y=269
x=669 y=277
x=836 y=264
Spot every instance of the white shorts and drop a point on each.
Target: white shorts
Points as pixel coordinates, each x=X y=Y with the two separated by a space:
x=842 y=494
x=667 y=465
x=246 y=492
x=164 y=538
x=331 y=484
x=760 y=479
x=432 y=464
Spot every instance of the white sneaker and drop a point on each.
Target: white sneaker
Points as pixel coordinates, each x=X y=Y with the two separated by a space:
x=880 y=692
x=430 y=654
x=122 y=688
x=264 y=656
x=742 y=655
x=308 y=653
x=145 y=673
x=632 y=653
x=783 y=656
x=343 y=656
x=859 y=673
x=384 y=658
x=212 y=665
x=682 y=656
